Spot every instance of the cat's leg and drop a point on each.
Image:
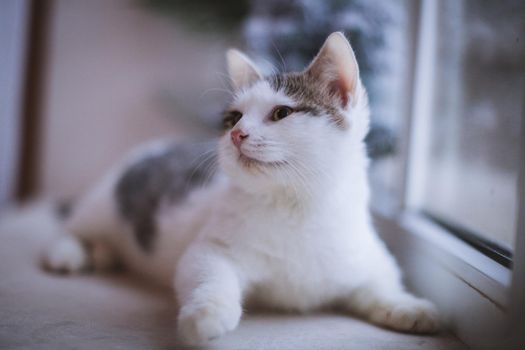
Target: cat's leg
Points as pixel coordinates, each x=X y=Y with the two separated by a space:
x=389 y=305
x=75 y=251
x=84 y=242
x=209 y=294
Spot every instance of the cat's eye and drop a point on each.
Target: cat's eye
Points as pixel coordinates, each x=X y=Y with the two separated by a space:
x=281 y=112
x=231 y=118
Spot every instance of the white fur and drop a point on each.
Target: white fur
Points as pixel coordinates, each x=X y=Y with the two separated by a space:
x=67 y=255
x=294 y=237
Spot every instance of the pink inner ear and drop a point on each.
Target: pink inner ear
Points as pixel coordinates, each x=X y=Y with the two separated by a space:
x=339 y=87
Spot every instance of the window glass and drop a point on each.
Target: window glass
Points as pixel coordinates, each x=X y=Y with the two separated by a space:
x=473 y=150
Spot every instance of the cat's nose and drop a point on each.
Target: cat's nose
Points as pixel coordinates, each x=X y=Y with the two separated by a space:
x=238 y=136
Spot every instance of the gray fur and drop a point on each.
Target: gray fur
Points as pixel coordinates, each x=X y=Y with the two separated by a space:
x=167 y=176
x=312 y=96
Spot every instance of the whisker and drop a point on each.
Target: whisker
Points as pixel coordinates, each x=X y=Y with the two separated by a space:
x=203 y=159
x=210 y=171
x=207 y=91
x=283 y=63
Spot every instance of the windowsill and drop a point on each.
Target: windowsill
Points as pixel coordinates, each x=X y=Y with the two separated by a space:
x=469 y=288
x=113 y=311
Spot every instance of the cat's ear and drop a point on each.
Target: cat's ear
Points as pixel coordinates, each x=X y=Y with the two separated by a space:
x=335 y=66
x=243 y=72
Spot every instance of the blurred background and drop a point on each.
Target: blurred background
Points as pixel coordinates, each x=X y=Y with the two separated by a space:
x=82 y=82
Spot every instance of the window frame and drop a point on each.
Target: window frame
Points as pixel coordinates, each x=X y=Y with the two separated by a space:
x=479 y=298
x=15 y=19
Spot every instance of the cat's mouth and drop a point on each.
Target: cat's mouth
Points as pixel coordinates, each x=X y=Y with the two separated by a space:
x=250 y=162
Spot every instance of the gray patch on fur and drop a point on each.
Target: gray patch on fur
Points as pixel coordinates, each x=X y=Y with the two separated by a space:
x=312 y=96
x=162 y=177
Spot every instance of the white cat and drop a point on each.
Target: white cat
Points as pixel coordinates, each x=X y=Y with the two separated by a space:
x=283 y=223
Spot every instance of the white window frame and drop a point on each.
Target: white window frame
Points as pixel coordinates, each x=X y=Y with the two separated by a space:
x=14 y=24
x=482 y=301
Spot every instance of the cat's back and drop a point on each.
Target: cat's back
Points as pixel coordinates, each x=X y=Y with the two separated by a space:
x=159 y=175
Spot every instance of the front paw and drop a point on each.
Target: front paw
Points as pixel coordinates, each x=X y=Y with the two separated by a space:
x=200 y=323
x=415 y=315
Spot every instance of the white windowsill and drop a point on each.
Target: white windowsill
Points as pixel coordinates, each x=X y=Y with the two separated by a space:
x=470 y=289
x=485 y=274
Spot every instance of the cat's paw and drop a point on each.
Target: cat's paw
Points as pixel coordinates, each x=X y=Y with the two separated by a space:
x=198 y=324
x=415 y=315
x=66 y=255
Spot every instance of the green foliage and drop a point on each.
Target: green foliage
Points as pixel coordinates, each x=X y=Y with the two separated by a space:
x=208 y=16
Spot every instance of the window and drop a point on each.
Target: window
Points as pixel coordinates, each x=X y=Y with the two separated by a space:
x=469 y=156
x=457 y=232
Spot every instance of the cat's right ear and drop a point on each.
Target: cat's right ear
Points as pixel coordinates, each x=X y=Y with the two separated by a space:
x=243 y=72
x=335 y=65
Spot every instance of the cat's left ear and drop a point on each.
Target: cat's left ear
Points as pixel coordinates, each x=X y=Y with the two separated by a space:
x=243 y=72
x=335 y=66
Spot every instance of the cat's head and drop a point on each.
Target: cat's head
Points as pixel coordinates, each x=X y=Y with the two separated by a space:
x=295 y=128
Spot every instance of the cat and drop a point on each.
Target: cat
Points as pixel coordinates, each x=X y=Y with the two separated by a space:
x=283 y=223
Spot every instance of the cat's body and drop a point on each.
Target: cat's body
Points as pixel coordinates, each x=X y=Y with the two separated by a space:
x=284 y=223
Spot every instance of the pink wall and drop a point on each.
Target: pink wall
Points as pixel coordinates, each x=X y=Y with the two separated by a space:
x=108 y=62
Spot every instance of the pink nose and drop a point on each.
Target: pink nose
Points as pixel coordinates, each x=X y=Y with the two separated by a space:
x=238 y=137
